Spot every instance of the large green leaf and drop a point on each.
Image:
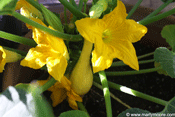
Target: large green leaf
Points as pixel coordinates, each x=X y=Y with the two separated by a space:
x=167 y=60
x=168 y=32
x=7 y=5
x=17 y=102
x=74 y=113
x=168 y=111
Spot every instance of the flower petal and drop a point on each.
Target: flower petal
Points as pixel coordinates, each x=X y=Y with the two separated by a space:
x=125 y=51
x=36 y=57
x=28 y=10
x=129 y=30
x=2 y=59
x=57 y=67
x=117 y=16
x=56 y=43
x=72 y=104
x=101 y=61
x=90 y=29
x=58 y=96
x=72 y=95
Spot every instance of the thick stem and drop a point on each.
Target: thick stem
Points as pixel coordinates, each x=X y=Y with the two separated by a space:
x=17 y=39
x=48 y=30
x=137 y=93
x=133 y=92
x=106 y=93
x=48 y=84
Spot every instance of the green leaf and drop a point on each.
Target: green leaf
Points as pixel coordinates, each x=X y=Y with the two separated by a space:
x=161 y=71
x=16 y=103
x=24 y=98
x=42 y=107
x=98 y=8
x=52 y=19
x=7 y=5
x=167 y=60
x=74 y=113
x=168 y=32
x=167 y=0
x=22 y=86
x=170 y=107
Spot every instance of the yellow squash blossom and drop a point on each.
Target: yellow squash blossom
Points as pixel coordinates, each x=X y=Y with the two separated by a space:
x=28 y=10
x=50 y=51
x=112 y=36
x=61 y=92
x=7 y=56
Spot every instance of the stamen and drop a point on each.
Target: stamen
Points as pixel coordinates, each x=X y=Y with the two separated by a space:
x=106 y=36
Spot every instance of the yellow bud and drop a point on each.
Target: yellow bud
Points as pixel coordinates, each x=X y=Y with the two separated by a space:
x=12 y=56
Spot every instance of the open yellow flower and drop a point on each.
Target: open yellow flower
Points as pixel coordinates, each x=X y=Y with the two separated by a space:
x=50 y=51
x=7 y=56
x=112 y=36
x=28 y=10
x=61 y=92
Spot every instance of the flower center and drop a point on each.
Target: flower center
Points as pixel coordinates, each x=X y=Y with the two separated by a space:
x=106 y=36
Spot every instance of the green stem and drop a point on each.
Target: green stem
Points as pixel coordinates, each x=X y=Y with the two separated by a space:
x=145 y=55
x=106 y=92
x=122 y=73
x=72 y=2
x=159 y=9
x=5 y=12
x=17 y=39
x=134 y=92
x=156 y=18
x=65 y=15
x=50 y=31
x=72 y=9
x=81 y=107
x=15 y=50
x=80 y=6
x=35 y=4
x=134 y=8
x=120 y=63
x=85 y=5
x=48 y=84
